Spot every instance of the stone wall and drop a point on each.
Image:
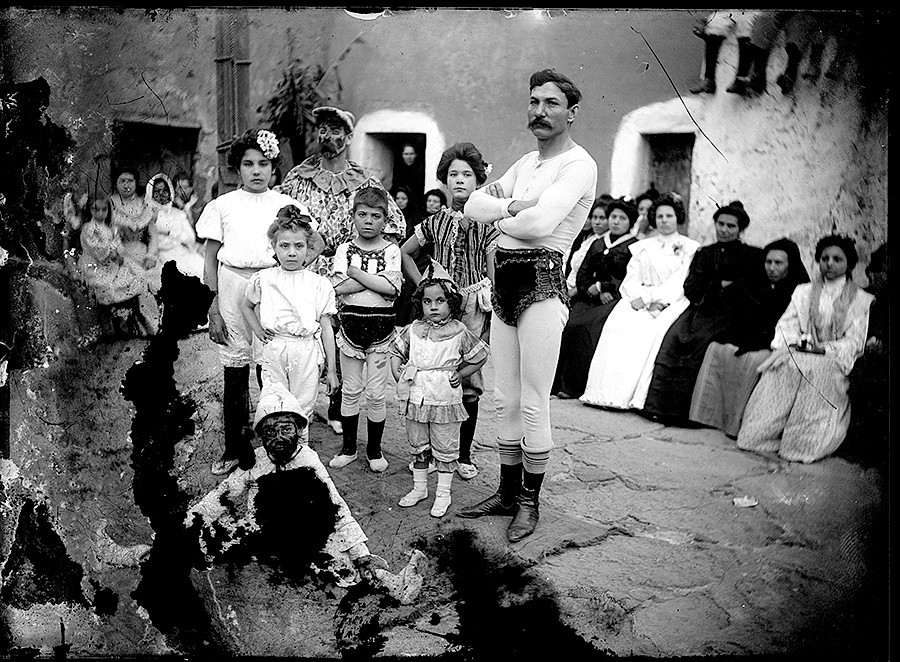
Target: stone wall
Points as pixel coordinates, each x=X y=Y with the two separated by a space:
x=804 y=163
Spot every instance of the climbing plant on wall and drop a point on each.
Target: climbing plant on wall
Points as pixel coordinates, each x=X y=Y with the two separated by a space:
x=302 y=87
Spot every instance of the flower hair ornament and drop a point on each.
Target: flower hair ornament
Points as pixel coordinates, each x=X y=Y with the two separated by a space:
x=268 y=143
x=488 y=168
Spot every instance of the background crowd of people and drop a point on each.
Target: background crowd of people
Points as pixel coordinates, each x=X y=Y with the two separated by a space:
x=726 y=335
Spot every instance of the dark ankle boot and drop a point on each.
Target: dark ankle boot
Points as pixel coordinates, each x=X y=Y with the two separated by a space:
x=351 y=425
x=375 y=431
x=467 y=431
x=503 y=501
x=751 y=69
x=527 y=513
x=235 y=410
x=814 y=64
x=707 y=84
x=787 y=79
x=334 y=406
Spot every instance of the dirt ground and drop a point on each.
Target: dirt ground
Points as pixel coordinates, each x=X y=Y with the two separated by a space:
x=643 y=547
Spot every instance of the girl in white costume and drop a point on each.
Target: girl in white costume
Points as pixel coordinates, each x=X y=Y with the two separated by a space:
x=431 y=357
x=294 y=307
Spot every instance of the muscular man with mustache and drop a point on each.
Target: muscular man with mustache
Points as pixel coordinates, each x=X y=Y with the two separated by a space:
x=538 y=205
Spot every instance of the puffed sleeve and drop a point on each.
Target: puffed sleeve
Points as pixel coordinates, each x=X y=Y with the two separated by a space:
x=327 y=302
x=473 y=348
x=392 y=268
x=632 y=286
x=253 y=292
x=209 y=226
x=400 y=344
x=339 y=265
x=424 y=231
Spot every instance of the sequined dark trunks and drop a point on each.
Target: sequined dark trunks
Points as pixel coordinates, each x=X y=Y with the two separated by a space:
x=523 y=277
x=365 y=326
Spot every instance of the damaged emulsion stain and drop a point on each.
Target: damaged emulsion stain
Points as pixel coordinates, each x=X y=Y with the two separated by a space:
x=505 y=610
x=162 y=418
x=38 y=569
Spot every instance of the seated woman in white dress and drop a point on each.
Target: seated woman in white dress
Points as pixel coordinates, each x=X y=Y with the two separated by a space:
x=800 y=408
x=175 y=233
x=652 y=299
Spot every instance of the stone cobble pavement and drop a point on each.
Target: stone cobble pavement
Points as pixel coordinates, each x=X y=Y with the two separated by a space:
x=641 y=543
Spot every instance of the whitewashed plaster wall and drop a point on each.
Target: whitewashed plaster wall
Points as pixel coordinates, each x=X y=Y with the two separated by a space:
x=803 y=163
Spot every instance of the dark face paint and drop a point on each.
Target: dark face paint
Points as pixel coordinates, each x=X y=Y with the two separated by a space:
x=280 y=437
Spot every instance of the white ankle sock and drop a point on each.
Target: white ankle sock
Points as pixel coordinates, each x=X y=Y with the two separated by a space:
x=442 y=494
x=419 y=490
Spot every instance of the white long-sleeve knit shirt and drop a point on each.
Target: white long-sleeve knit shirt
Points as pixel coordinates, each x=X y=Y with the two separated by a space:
x=564 y=185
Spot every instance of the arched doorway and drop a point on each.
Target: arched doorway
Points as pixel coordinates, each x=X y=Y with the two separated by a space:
x=379 y=138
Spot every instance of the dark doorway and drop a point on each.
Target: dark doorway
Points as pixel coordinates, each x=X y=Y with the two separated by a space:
x=670 y=165
x=154 y=148
x=399 y=173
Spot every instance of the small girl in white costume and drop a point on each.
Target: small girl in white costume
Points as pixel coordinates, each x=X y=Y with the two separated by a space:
x=234 y=226
x=430 y=358
x=295 y=306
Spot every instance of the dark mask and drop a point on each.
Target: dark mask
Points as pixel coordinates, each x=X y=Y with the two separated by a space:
x=280 y=437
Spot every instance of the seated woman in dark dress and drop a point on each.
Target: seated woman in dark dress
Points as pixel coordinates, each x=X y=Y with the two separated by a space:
x=724 y=285
x=868 y=441
x=597 y=285
x=728 y=373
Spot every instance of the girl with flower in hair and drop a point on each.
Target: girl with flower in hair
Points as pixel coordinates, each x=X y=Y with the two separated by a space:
x=234 y=226
x=430 y=360
x=652 y=299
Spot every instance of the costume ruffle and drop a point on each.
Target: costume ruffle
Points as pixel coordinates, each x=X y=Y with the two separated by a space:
x=349 y=179
x=433 y=413
x=382 y=347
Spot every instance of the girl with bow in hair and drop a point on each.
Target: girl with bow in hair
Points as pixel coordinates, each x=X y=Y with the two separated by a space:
x=289 y=309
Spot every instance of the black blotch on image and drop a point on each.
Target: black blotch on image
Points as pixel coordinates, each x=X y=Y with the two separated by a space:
x=506 y=611
x=296 y=516
x=106 y=601
x=162 y=418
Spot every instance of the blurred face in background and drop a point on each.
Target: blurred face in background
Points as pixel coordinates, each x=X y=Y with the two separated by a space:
x=160 y=192
x=644 y=207
x=776 y=265
x=833 y=263
x=618 y=223
x=432 y=204
x=598 y=220
x=666 y=220
x=727 y=228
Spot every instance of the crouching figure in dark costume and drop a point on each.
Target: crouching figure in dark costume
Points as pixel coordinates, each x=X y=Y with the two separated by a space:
x=288 y=479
